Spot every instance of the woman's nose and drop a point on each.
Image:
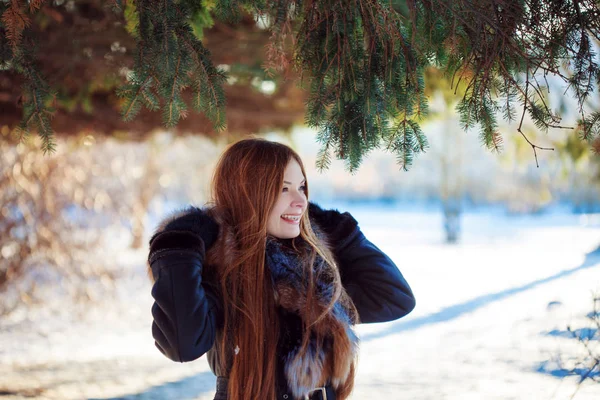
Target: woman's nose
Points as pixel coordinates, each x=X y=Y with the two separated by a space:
x=299 y=200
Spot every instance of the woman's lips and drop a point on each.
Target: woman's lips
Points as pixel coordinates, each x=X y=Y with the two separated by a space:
x=289 y=221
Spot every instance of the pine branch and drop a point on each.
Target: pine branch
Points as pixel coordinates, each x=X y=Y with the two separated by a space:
x=323 y=158
x=209 y=96
x=179 y=61
x=35 y=5
x=363 y=61
x=173 y=114
x=36 y=99
x=133 y=94
x=15 y=22
x=533 y=146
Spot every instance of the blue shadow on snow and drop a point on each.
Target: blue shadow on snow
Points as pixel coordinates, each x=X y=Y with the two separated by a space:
x=188 y=388
x=551 y=368
x=449 y=313
x=583 y=334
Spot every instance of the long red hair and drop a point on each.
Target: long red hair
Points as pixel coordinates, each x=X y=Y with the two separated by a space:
x=246 y=184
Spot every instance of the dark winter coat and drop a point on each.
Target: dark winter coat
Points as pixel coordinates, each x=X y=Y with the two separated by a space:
x=187 y=311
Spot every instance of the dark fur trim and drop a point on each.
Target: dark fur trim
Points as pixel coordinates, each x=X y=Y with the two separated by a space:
x=337 y=226
x=192 y=219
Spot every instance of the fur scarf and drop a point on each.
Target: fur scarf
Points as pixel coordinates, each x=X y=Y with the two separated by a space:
x=332 y=345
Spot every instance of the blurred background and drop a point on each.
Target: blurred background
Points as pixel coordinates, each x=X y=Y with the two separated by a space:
x=503 y=256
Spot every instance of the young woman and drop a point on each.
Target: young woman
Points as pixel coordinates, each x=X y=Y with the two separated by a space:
x=268 y=284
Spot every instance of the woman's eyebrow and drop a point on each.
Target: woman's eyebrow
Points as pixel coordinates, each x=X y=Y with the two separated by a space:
x=289 y=183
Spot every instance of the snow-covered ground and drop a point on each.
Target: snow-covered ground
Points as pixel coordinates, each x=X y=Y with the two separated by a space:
x=490 y=321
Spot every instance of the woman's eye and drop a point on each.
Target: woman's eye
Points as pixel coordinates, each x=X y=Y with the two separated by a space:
x=301 y=188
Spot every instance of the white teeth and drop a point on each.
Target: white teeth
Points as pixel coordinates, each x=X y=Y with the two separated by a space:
x=291 y=217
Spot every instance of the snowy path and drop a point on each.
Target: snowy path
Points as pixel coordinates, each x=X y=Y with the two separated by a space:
x=491 y=312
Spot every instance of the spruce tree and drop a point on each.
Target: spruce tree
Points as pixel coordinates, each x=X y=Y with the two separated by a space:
x=361 y=63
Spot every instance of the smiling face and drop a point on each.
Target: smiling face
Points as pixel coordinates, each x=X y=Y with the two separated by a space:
x=284 y=219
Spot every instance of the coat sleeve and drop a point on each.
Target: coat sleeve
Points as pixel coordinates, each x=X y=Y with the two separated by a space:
x=372 y=280
x=186 y=313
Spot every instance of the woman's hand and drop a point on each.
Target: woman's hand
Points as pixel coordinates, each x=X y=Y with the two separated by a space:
x=191 y=230
x=338 y=227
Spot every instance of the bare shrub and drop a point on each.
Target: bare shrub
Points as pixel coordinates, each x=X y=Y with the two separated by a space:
x=56 y=209
x=582 y=359
x=588 y=366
